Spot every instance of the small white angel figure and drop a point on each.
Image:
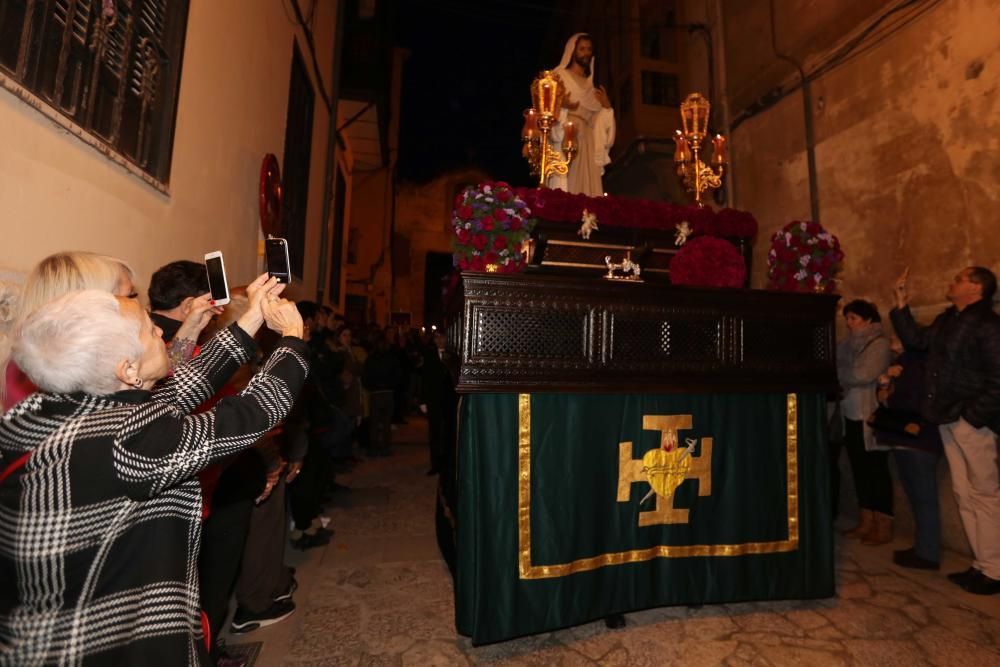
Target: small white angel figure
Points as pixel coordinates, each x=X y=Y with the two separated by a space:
x=589 y=225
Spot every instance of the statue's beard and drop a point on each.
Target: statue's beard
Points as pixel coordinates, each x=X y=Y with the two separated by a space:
x=584 y=63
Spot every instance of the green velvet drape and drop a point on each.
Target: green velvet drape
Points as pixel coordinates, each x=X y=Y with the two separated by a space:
x=543 y=541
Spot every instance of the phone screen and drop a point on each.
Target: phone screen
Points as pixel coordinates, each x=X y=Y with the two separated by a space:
x=276 y=251
x=216 y=278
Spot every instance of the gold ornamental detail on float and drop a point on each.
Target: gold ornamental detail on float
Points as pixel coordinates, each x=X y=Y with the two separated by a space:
x=527 y=569
x=665 y=468
x=691 y=144
x=547 y=95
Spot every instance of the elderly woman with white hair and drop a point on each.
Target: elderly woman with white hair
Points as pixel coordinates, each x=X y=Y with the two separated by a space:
x=100 y=510
x=74 y=270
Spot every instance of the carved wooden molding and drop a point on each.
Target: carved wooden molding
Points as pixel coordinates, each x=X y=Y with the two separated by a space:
x=540 y=331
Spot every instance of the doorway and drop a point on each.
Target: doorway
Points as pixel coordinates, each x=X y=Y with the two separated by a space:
x=437 y=268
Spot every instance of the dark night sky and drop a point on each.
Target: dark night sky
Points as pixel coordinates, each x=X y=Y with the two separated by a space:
x=466 y=82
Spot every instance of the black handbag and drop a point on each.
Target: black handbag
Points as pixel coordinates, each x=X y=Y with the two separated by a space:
x=898 y=422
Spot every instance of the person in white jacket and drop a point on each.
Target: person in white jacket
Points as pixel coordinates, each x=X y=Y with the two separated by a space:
x=862 y=357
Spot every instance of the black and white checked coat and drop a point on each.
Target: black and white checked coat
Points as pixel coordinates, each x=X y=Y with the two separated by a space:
x=100 y=530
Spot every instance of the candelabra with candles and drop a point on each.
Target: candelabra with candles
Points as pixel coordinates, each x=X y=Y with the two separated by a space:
x=547 y=93
x=696 y=175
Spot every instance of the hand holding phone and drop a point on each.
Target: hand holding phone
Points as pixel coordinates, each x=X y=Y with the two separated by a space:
x=262 y=287
x=283 y=317
x=199 y=315
x=899 y=289
x=217 y=284
x=276 y=254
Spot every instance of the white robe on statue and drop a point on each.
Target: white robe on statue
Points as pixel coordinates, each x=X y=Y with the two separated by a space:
x=595 y=130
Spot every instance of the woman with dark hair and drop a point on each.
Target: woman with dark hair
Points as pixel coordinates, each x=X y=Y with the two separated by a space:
x=862 y=357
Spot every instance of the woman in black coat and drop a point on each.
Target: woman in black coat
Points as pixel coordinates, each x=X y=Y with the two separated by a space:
x=917 y=449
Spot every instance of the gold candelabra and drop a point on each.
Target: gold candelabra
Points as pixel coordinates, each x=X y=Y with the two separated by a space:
x=547 y=93
x=690 y=144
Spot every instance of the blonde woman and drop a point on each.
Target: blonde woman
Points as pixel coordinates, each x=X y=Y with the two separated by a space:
x=51 y=278
x=66 y=272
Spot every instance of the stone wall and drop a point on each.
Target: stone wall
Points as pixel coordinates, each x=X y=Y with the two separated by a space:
x=423 y=225
x=907 y=140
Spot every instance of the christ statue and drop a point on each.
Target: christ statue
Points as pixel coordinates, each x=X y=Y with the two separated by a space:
x=588 y=108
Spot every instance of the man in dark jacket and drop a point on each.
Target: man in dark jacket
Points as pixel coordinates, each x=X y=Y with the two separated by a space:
x=438 y=401
x=380 y=377
x=962 y=384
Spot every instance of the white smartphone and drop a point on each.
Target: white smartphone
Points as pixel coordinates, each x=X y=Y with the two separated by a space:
x=217 y=284
x=276 y=254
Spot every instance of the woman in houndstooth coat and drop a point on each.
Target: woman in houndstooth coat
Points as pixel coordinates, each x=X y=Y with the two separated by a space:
x=100 y=510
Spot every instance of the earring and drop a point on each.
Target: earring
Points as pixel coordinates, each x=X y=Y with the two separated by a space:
x=137 y=383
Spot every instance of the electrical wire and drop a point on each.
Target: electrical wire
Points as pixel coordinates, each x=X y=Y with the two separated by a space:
x=851 y=49
x=288 y=17
x=311 y=45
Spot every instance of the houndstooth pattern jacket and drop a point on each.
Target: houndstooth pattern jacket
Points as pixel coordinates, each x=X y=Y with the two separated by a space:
x=100 y=530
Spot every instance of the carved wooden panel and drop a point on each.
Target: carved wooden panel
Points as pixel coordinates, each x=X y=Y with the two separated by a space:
x=678 y=339
x=540 y=331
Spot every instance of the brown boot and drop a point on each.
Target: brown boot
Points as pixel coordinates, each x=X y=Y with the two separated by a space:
x=865 y=525
x=881 y=532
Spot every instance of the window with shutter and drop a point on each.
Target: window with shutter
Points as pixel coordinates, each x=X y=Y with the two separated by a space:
x=112 y=67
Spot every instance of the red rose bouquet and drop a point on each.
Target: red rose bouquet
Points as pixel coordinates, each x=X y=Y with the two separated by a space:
x=804 y=257
x=708 y=262
x=490 y=223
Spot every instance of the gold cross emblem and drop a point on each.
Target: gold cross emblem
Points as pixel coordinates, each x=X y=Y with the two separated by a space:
x=665 y=468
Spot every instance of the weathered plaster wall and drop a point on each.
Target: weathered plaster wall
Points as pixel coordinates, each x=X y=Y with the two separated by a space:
x=58 y=193
x=908 y=148
x=370 y=238
x=368 y=241
x=907 y=151
x=804 y=30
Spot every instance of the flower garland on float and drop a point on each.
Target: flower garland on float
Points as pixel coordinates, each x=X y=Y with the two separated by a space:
x=804 y=257
x=490 y=224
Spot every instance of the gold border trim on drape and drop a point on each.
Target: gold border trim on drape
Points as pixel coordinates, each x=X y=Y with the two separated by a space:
x=529 y=571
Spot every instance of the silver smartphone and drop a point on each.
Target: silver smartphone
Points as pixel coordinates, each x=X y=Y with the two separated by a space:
x=217 y=284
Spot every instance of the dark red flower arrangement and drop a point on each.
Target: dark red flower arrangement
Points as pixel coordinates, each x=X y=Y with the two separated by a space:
x=708 y=262
x=804 y=257
x=611 y=211
x=490 y=222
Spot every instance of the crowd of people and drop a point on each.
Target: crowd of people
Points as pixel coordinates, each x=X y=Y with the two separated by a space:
x=929 y=391
x=155 y=464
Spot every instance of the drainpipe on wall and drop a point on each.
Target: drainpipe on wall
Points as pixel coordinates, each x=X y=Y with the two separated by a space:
x=723 y=92
x=807 y=112
x=331 y=152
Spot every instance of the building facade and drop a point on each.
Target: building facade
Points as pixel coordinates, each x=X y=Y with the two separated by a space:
x=138 y=130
